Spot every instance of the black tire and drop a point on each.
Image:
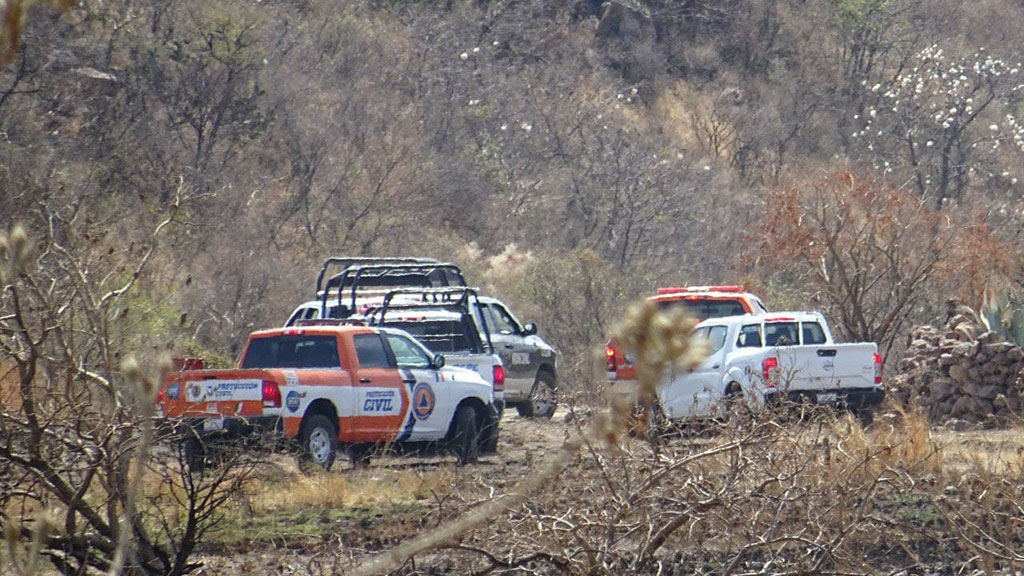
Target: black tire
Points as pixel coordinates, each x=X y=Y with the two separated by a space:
x=489 y=438
x=866 y=416
x=465 y=437
x=319 y=442
x=737 y=412
x=656 y=425
x=543 y=401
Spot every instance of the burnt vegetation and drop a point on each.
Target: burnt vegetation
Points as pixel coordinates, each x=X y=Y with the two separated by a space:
x=172 y=174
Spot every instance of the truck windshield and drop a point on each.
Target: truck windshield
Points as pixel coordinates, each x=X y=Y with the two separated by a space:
x=440 y=336
x=292 y=351
x=704 y=309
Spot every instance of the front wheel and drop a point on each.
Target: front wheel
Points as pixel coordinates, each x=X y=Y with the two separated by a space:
x=465 y=438
x=489 y=436
x=319 y=440
x=543 y=400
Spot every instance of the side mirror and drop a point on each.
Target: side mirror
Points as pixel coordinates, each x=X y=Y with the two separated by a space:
x=438 y=361
x=530 y=329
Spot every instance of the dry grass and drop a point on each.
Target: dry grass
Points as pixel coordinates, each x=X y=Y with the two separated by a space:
x=10 y=398
x=902 y=441
x=824 y=495
x=289 y=488
x=676 y=104
x=995 y=452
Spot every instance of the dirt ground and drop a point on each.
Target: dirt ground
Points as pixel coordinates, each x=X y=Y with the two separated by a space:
x=384 y=516
x=362 y=513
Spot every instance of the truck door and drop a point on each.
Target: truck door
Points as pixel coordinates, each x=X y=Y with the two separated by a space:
x=695 y=393
x=381 y=397
x=431 y=404
x=520 y=358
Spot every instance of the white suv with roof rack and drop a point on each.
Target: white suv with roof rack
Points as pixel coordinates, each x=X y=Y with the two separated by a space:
x=364 y=283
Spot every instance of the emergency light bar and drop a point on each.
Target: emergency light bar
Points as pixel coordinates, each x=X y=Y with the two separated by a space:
x=726 y=288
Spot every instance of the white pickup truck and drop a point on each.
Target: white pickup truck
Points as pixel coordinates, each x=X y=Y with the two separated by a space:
x=771 y=357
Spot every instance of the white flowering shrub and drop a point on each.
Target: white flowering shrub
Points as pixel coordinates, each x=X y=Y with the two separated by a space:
x=948 y=121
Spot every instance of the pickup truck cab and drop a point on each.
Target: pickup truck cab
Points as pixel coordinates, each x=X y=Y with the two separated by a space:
x=772 y=357
x=438 y=317
x=441 y=319
x=530 y=362
x=327 y=385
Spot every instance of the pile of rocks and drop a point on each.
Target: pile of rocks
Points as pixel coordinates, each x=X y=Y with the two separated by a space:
x=962 y=372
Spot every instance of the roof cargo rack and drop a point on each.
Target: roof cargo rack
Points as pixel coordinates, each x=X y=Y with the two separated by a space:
x=375 y=274
x=460 y=299
x=343 y=262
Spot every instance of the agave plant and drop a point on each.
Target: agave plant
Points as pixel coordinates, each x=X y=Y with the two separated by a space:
x=1003 y=313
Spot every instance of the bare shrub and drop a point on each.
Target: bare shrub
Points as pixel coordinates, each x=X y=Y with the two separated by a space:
x=89 y=484
x=873 y=255
x=821 y=496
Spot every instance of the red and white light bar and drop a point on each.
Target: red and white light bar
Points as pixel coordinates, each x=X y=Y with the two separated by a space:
x=726 y=288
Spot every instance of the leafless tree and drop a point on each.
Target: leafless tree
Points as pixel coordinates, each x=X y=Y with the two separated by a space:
x=873 y=254
x=86 y=472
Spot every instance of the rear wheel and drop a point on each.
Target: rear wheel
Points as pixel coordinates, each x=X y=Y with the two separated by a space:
x=319 y=440
x=736 y=410
x=543 y=400
x=465 y=439
x=656 y=426
x=865 y=415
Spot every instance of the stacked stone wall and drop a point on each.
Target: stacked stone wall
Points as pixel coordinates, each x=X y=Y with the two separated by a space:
x=962 y=372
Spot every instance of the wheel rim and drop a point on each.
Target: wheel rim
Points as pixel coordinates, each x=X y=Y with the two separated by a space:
x=543 y=399
x=320 y=445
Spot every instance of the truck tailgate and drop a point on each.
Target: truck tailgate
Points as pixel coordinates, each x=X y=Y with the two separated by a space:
x=482 y=364
x=217 y=392
x=827 y=367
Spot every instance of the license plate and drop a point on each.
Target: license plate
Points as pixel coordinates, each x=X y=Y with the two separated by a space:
x=827 y=397
x=213 y=424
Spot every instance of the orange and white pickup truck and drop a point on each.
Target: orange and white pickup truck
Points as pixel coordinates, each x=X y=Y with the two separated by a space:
x=700 y=302
x=327 y=385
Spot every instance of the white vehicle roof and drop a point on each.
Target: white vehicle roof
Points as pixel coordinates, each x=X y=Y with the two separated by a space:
x=799 y=316
x=416 y=315
x=363 y=303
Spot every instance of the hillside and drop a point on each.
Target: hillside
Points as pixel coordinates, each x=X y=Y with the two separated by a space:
x=540 y=145
x=174 y=172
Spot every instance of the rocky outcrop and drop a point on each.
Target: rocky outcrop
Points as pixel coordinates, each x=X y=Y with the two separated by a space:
x=624 y=22
x=962 y=372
